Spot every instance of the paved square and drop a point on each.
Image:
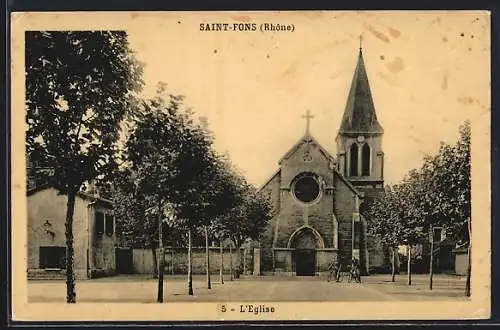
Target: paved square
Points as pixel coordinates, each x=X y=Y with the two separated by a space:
x=252 y=289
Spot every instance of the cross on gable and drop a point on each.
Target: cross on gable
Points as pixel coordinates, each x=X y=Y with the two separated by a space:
x=308 y=118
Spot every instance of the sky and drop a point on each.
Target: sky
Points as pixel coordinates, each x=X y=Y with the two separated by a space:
x=428 y=73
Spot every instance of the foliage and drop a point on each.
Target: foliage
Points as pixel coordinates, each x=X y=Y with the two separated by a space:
x=249 y=216
x=79 y=87
x=436 y=194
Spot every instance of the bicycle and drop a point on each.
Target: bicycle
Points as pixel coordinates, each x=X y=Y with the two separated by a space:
x=332 y=272
x=354 y=275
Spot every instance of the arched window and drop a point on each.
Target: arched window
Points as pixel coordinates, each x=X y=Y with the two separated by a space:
x=353 y=166
x=365 y=158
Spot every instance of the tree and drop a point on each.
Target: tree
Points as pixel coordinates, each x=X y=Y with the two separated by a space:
x=247 y=219
x=150 y=153
x=384 y=223
x=395 y=218
x=450 y=196
x=220 y=197
x=172 y=157
x=436 y=194
x=135 y=215
x=79 y=88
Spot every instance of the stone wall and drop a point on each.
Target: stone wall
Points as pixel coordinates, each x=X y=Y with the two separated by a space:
x=461 y=261
x=285 y=264
x=272 y=190
x=344 y=207
x=176 y=261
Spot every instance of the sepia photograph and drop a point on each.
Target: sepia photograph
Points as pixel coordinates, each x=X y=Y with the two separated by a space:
x=321 y=165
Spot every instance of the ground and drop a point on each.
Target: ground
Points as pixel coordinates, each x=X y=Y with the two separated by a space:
x=252 y=289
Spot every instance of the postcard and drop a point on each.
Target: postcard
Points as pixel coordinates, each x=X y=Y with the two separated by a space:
x=224 y=166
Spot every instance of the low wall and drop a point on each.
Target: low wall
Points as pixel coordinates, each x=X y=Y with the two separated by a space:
x=284 y=263
x=461 y=261
x=176 y=260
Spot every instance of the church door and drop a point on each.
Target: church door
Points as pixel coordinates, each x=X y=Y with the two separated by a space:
x=305 y=244
x=305 y=261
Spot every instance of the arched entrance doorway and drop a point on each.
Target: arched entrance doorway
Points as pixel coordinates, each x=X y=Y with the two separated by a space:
x=305 y=241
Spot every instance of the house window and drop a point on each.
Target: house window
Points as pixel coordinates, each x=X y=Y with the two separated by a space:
x=365 y=158
x=438 y=233
x=110 y=224
x=353 y=157
x=99 y=223
x=52 y=257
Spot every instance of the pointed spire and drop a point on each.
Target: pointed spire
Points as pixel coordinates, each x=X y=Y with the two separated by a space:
x=359 y=114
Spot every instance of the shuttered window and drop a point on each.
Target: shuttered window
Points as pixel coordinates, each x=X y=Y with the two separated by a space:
x=99 y=223
x=110 y=224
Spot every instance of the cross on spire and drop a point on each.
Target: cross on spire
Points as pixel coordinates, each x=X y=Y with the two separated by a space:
x=360 y=42
x=308 y=117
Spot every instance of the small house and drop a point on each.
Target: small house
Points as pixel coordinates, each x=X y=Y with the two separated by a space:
x=93 y=232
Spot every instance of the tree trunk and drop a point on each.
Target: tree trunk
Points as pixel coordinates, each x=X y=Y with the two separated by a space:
x=156 y=265
x=230 y=262
x=70 y=274
x=274 y=260
x=398 y=262
x=393 y=264
x=245 y=261
x=161 y=257
x=469 y=266
x=467 y=282
x=207 y=251
x=190 y=264
x=221 y=274
x=431 y=257
x=409 y=264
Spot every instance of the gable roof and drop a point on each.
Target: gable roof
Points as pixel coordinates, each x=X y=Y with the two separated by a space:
x=276 y=173
x=80 y=194
x=349 y=184
x=327 y=155
x=359 y=114
x=304 y=139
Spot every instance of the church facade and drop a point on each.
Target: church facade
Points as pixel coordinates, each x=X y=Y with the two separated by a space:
x=319 y=199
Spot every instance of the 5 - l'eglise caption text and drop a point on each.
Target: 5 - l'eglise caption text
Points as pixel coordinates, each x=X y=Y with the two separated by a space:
x=247 y=27
x=248 y=308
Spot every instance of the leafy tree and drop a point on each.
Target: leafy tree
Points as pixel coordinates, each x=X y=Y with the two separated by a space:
x=247 y=219
x=150 y=154
x=395 y=218
x=220 y=197
x=437 y=194
x=174 y=164
x=385 y=224
x=79 y=87
x=136 y=215
x=450 y=190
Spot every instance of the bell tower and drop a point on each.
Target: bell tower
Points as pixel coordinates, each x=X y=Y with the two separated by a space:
x=359 y=139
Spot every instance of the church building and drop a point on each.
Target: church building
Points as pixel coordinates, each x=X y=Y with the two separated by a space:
x=319 y=199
